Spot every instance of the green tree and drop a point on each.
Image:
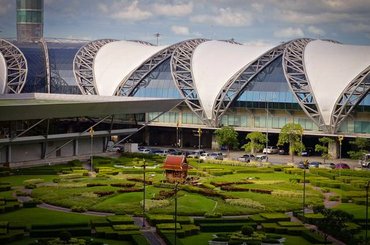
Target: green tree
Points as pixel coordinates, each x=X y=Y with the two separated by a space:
x=291 y=134
x=256 y=142
x=227 y=136
x=361 y=145
x=324 y=147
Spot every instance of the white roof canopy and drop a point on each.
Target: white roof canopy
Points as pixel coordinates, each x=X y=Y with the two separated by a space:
x=214 y=63
x=3 y=73
x=330 y=68
x=115 y=60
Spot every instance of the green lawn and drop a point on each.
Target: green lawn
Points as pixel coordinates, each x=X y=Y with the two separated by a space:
x=105 y=241
x=43 y=216
x=358 y=211
x=17 y=180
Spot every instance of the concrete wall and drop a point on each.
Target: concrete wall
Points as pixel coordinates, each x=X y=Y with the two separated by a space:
x=33 y=151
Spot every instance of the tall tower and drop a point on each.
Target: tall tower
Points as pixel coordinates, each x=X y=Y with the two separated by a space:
x=30 y=20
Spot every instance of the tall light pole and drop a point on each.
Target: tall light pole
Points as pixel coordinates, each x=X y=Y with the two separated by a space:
x=144 y=182
x=367 y=211
x=199 y=141
x=305 y=163
x=91 y=147
x=267 y=127
x=176 y=189
x=340 y=138
x=157 y=35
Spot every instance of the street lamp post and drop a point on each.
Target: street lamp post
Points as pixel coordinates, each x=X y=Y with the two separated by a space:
x=144 y=182
x=305 y=163
x=367 y=211
x=199 y=141
x=176 y=188
x=267 y=126
x=340 y=138
x=91 y=147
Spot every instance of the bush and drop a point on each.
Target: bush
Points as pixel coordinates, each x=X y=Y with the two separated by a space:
x=212 y=215
x=78 y=209
x=120 y=219
x=247 y=230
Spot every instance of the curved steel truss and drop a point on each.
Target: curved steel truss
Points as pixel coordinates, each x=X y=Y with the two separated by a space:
x=142 y=42
x=183 y=78
x=16 y=67
x=132 y=83
x=236 y=84
x=83 y=65
x=294 y=71
x=350 y=98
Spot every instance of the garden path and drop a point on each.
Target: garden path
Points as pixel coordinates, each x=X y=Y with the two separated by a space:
x=149 y=232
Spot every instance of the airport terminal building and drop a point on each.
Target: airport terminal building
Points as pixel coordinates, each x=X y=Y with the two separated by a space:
x=321 y=84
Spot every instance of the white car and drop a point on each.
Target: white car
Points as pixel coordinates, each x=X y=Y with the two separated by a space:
x=270 y=150
x=261 y=158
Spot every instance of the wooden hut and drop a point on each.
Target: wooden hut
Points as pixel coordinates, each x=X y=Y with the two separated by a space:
x=176 y=168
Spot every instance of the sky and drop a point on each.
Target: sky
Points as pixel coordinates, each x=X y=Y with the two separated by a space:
x=259 y=22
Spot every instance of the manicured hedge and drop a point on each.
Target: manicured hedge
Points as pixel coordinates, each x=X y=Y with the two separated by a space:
x=138 y=239
x=154 y=219
x=198 y=221
x=214 y=227
x=120 y=219
x=275 y=217
x=76 y=231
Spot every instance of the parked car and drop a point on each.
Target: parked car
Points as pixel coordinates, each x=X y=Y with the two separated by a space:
x=307 y=152
x=283 y=151
x=302 y=165
x=204 y=156
x=162 y=152
x=216 y=155
x=196 y=154
x=327 y=165
x=342 y=166
x=145 y=150
x=270 y=150
x=365 y=161
x=173 y=152
x=246 y=158
x=261 y=158
x=314 y=164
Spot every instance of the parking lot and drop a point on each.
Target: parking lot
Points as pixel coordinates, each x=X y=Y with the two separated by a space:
x=273 y=158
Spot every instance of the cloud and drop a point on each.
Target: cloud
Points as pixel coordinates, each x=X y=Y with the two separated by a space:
x=6 y=6
x=180 y=30
x=316 y=31
x=173 y=10
x=131 y=12
x=225 y=17
x=289 y=32
x=258 y=7
x=356 y=27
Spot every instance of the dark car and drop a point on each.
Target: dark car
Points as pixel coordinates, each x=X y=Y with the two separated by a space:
x=302 y=165
x=283 y=151
x=307 y=152
x=314 y=164
x=342 y=166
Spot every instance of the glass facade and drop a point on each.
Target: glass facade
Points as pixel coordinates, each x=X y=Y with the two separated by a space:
x=29 y=16
x=159 y=83
x=269 y=85
x=61 y=57
x=36 y=74
x=30 y=4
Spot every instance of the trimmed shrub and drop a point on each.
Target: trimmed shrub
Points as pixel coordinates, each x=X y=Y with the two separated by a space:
x=247 y=230
x=78 y=209
x=120 y=219
x=138 y=239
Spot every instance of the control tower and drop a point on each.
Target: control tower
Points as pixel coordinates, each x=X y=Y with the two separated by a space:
x=30 y=20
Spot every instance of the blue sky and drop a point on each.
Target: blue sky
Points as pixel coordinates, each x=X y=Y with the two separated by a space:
x=246 y=21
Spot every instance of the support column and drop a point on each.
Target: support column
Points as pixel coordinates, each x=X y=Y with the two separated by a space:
x=75 y=147
x=333 y=150
x=8 y=154
x=215 y=145
x=146 y=136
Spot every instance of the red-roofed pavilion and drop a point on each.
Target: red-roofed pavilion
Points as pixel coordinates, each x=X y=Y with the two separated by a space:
x=176 y=168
